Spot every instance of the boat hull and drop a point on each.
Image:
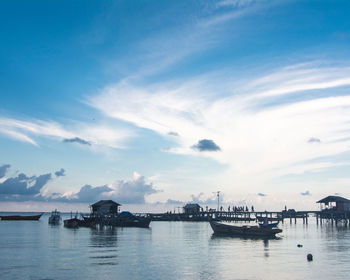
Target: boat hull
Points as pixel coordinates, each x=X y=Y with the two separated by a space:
x=71 y=223
x=21 y=218
x=117 y=221
x=249 y=231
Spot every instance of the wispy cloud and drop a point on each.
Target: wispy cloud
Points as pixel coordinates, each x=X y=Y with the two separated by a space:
x=194 y=34
x=258 y=139
x=77 y=132
x=298 y=78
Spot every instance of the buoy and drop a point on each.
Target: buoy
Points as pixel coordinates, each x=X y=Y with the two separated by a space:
x=309 y=257
x=299 y=245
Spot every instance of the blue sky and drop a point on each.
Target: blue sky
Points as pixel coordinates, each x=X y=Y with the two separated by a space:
x=151 y=102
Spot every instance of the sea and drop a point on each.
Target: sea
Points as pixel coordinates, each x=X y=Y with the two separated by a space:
x=172 y=251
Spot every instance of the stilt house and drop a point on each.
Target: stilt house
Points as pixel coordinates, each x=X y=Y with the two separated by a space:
x=336 y=203
x=191 y=208
x=105 y=207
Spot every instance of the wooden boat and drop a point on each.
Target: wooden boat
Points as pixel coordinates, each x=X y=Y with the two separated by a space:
x=249 y=231
x=55 y=218
x=270 y=225
x=87 y=221
x=71 y=223
x=124 y=219
x=21 y=218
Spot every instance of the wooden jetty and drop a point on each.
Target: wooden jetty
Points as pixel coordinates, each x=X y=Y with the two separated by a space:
x=233 y=216
x=334 y=210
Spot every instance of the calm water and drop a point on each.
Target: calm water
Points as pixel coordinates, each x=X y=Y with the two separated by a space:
x=170 y=250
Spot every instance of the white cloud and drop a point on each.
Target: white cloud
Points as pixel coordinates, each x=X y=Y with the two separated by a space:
x=17 y=136
x=255 y=140
x=300 y=77
x=97 y=134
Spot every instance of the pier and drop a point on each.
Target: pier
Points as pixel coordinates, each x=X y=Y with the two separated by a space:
x=334 y=210
x=332 y=217
x=236 y=216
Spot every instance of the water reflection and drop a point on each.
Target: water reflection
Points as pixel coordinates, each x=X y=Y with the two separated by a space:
x=103 y=246
x=266 y=248
x=227 y=236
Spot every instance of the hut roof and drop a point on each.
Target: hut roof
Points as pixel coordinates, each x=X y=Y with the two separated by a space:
x=192 y=205
x=333 y=198
x=101 y=202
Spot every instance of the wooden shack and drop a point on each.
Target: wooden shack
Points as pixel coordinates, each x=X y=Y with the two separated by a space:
x=336 y=203
x=191 y=208
x=105 y=207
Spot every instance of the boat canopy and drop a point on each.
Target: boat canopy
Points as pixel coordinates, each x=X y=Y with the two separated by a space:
x=126 y=214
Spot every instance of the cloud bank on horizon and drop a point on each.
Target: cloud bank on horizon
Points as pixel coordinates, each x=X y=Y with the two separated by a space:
x=24 y=188
x=244 y=102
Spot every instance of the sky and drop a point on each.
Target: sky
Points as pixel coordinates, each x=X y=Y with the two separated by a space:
x=156 y=104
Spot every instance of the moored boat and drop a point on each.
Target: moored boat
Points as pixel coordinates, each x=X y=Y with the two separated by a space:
x=249 y=231
x=142 y=222
x=269 y=225
x=266 y=224
x=71 y=223
x=21 y=218
x=55 y=218
x=123 y=219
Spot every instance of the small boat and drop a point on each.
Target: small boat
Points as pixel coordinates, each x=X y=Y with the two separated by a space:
x=71 y=223
x=127 y=219
x=249 y=231
x=55 y=218
x=266 y=224
x=87 y=221
x=269 y=225
x=136 y=222
x=21 y=218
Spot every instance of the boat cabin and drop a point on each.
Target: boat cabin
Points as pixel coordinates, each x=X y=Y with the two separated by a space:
x=336 y=203
x=105 y=207
x=191 y=208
